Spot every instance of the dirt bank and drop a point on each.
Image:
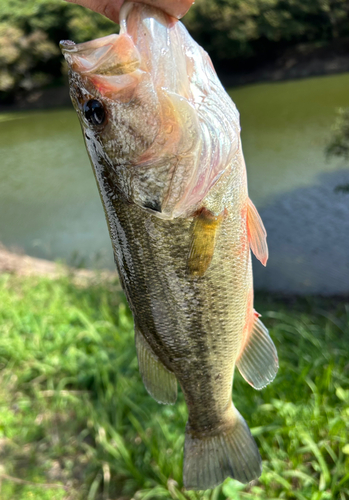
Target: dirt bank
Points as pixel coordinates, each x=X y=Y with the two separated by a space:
x=23 y=265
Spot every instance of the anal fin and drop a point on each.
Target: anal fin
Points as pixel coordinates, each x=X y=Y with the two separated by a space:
x=158 y=380
x=203 y=241
x=257 y=234
x=258 y=359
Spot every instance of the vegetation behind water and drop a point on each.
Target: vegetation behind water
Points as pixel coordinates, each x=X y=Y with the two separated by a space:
x=77 y=423
x=233 y=31
x=339 y=142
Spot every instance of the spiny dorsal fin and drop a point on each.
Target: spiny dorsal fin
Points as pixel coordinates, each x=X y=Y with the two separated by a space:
x=158 y=380
x=203 y=241
x=258 y=360
x=257 y=234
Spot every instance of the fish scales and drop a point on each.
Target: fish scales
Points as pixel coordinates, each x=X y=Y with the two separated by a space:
x=171 y=174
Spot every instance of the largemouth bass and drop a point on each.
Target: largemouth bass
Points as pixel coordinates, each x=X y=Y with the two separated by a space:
x=164 y=142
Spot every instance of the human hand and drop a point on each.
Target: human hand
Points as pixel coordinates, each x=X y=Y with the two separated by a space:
x=111 y=8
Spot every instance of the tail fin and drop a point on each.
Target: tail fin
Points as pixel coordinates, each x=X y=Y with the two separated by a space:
x=231 y=452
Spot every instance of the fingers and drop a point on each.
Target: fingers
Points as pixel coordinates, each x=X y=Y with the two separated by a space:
x=111 y=8
x=176 y=8
x=108 y=8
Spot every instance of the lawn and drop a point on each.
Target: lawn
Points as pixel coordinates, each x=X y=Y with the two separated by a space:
x=77 y=423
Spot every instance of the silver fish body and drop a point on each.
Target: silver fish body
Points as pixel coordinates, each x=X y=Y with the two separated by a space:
x=165 y=148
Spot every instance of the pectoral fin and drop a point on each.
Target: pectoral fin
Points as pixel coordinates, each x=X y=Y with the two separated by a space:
x=158 y=380
x=258 y=359
x=257 y=234
x=203 y=242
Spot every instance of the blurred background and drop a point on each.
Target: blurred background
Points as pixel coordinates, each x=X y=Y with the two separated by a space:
x=75 y=421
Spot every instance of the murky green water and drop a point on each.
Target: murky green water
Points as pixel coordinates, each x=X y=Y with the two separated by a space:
x=49 y=202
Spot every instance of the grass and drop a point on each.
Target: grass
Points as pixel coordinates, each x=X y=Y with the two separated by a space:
x=77 y=423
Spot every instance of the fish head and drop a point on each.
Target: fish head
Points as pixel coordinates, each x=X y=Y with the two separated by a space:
x=137 y=98
x=115 y=101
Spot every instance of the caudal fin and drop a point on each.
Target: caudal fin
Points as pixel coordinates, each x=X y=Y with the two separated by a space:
x=231 y=452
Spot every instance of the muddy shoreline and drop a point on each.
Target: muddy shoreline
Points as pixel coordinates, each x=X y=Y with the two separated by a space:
x=301 y=61
x=20 y=264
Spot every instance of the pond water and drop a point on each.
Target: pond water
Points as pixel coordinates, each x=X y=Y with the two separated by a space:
x=50 y=207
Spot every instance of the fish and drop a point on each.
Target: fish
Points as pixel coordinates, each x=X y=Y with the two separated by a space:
x=163 y=137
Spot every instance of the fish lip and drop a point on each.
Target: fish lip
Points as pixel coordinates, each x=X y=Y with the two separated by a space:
x=70 y=46
x=67 y=46
x=86 y=56
x=107 y=56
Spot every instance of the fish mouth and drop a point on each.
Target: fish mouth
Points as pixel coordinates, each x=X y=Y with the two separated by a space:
x=111 y=55
x=116 y=54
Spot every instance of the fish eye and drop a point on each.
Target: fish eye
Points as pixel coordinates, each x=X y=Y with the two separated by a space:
x=94 y=112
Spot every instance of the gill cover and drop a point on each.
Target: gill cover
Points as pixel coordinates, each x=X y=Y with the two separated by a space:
x=171 y=131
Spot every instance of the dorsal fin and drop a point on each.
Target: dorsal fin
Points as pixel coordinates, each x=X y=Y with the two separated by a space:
x=257 y=234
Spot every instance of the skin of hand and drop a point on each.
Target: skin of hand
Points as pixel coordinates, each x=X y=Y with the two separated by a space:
x=111 y=8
